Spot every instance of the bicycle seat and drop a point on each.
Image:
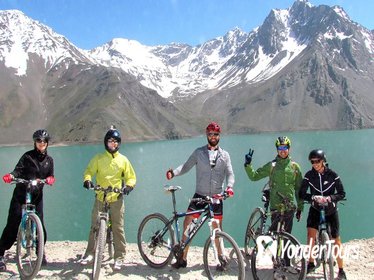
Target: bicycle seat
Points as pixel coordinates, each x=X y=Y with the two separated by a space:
x=169 y=188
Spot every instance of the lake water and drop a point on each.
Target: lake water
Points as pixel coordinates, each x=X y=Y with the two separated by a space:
x=68 y=205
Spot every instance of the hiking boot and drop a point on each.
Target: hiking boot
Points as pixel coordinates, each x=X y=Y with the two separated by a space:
x=118 y=264
x=222 y=266
x=86 y=260
x=341 y=275
x=2 y=263
x=44 y=261
x=310 y=268
x=180 y=263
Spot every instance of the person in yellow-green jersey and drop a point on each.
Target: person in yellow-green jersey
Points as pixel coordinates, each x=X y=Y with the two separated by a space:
x=111 y=168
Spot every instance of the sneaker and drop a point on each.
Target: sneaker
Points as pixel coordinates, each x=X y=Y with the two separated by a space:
x=44 y=261
x=86 y=260
x=341 y=275
x=222 y=266
x=2 y=263
x=180 y=263
x=310 y=268
x=118 y=264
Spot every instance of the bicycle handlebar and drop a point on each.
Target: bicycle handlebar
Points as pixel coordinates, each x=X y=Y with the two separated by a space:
x=210 y=200
x=32 y=182
x=107 y=189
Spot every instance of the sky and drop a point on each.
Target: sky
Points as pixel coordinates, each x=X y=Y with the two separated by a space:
x=92 y=23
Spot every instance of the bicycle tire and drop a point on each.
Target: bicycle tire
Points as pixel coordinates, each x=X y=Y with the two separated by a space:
x=99 y=249
x=254 y=228
x=233 y=265
x=156 y=250
x=109 y=242
x=269 y=266
x=30 y=246
x=327 y=259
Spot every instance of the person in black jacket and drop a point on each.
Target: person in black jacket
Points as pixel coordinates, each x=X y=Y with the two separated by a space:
x=324 y=187
x=34 y=164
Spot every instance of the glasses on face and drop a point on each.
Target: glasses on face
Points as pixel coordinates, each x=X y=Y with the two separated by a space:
x=41 y=141
x=314 y=161
x=211 y=134
x=282 y=148
x=112 y=141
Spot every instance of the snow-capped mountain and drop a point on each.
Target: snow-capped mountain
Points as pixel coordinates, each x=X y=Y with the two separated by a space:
x=310 y=65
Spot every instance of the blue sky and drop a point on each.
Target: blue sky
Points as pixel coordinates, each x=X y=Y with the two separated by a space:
x=91 y=23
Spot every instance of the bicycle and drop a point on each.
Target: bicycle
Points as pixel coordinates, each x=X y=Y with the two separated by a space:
x=325 y=253
x=30 y=236
x=159 y=240
x=103 y=232
x=277 y=254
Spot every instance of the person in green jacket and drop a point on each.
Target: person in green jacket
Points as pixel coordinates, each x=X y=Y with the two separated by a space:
x=284 y=177
x=111 y=168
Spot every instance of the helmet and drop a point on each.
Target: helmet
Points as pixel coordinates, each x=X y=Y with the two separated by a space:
x=213 y=127
x=282 y=140
x=41 y=134
x=318 y=153
x=112 y=133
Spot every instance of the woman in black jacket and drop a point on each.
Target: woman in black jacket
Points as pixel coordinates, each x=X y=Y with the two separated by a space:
x=34 y=164
x=324 y=187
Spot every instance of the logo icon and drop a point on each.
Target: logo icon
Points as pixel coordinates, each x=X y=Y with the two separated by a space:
x=266 y=246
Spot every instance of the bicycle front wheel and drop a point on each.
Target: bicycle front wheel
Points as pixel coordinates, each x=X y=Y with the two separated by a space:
x=99 y=249
x=278 y=255
x=156 y=240
x=222 y=258
x=254 y=229
x=327 y=257
x=30 y=246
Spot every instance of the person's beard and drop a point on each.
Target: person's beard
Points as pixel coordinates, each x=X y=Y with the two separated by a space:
x=213 y=142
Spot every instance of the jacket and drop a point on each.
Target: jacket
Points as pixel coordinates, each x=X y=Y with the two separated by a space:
x=327 y=183
x=284 y=177
x=209 y=179
x=110 y=170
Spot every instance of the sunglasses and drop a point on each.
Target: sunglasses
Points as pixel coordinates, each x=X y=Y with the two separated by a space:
x=213 y=134
x=314 y=161
x=41 y=141
x=112 y=141
x=282 y=148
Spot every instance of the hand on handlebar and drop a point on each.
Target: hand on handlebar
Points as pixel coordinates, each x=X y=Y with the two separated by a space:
x=229 y=191
x=50 y=180
x=8 y=178
x=321 y=199
x=126 y=190
x=88 y=185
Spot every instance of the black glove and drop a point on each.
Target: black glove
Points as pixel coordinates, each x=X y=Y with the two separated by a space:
x=126 y=190
x=88 y=185
x=298 y=215
x=248 y=157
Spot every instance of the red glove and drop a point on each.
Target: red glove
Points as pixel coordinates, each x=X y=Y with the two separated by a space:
x=8 y=178
x=229 y=191
x=169 y=174
x=50 y=180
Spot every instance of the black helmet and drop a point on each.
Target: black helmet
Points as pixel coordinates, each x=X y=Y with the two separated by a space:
x=112 y=133
x=41 y=134
x=282 y=140
x=318 y=153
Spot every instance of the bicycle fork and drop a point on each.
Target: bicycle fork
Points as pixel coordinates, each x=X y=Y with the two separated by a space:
x=213 y=232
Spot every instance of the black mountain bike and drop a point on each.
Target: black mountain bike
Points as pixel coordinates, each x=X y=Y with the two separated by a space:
x=159 y=240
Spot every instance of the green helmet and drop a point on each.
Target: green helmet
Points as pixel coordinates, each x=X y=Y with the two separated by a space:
x=282 y=140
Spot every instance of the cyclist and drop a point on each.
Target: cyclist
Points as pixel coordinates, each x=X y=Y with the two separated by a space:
x=324 y=186
x=111 y=168
x=284 y=177
x=213 y=166
x=34 y=164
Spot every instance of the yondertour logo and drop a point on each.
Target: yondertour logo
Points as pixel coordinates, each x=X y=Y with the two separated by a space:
x=268 y=245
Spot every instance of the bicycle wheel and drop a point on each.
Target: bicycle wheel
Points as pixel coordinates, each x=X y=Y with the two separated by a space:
x=30 y=246
x=109 y=242
x=327 y=257
x=225 y=262
x=156 y=240
x=99 y=249
x=279 y=256
x=254 y=228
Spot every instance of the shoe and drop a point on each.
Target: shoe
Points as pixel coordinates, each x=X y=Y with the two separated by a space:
x=341 y=275
x=86 y=260
x=310 y=268
x=2 y=263
x=44 y=261
x=118 y=264
x=180 y=263
x=222 y=266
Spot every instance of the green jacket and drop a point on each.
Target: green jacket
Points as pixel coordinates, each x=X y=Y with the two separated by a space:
x=110 y=170
x=284 y=177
